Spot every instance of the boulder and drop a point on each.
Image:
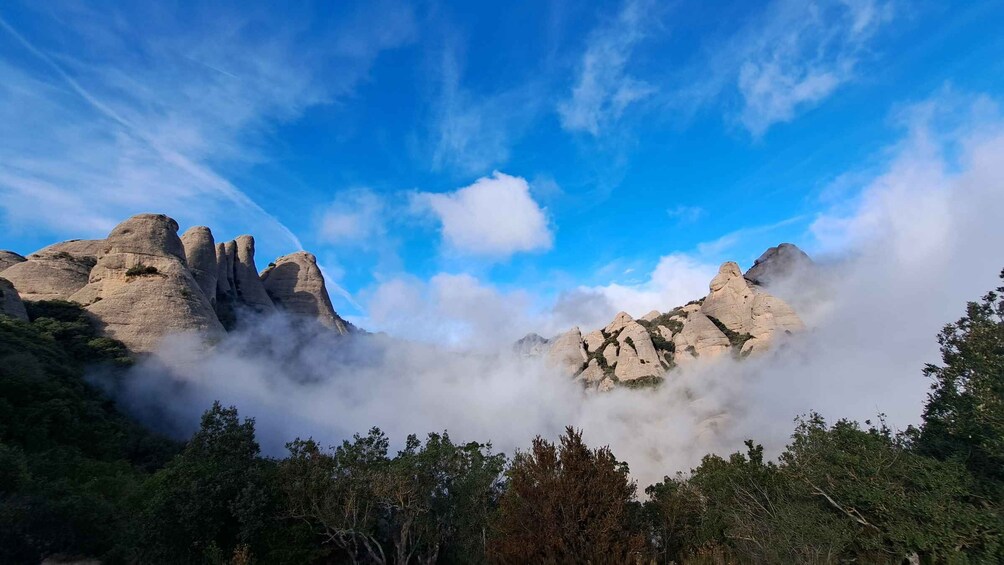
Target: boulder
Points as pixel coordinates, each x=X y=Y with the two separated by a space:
x=699 y=338
x=141 y=290
x=567 y=352
x=55 y=272
x=637 y=356
x=778 y=263
x=10 y=302
x=8 y=258
x=200 y=254
x=294 y=283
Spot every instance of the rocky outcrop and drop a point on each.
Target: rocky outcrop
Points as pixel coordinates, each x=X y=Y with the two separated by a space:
x=55 y=272
x=736 y=317
x=10 y=302
x=700 y=338
x=567 y=351
x=247 y=288
x=295 y=284
x=8 y=258
x=636 y=356
x=621 y=320
x=200 y=254
x=531 y=345
x=778 y=263
x=239 y=288
x=746 y=309
x=141 y=289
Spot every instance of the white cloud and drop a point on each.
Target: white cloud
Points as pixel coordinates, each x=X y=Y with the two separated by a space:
x=451 y=310
x=495 y=217
x=355 y=217
x=108 y=113
x=604 y=88
x=676 y=279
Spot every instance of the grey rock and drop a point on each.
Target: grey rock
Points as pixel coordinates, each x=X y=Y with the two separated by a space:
x=10 y=302
x=295 y=284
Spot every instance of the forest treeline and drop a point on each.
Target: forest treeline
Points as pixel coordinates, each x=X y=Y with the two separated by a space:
x=80 y=479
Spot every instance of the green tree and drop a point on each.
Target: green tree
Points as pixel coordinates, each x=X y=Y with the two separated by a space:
x=212 y=498
x=964 y=416
x=567 y=504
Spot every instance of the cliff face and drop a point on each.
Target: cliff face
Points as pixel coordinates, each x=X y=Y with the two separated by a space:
x=144 y=282
x=737 y=317
x=295 y=284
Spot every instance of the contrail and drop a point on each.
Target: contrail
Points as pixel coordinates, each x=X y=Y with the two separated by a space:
x=198 y=171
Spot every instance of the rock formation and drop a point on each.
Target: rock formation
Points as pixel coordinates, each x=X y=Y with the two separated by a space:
x=141 y=289
x=294 y=283
x=8 y=258
x=200 y=254
x=54 y=272
x=747 y=310
x=636 y=355
x=778 y=263
x=244 y=287
x=10 y=302
x=699 y=338
x=531 y=345
x=736 y=317
x=567 y=352
x=145 y=282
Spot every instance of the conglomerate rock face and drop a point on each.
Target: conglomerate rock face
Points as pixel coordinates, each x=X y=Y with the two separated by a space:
x=141 y=289
x=295 y=285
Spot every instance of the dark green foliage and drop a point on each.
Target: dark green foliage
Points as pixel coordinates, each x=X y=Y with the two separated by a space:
x=650 y=381
x=71 y=464
x=80 y=480
x=964 y=417
x=630 y=343
x=141 y=270
x=431 y=502
x=213 y=497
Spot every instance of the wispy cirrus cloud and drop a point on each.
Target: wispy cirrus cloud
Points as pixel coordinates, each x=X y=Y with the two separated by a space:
x=109 y=114
x=604 y=88
x=787 y=59
x=473 y=132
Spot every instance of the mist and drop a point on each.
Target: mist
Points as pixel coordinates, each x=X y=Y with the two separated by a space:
x=897 y=262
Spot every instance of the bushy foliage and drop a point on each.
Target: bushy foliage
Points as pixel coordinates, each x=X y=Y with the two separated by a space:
x=141 y=270
x=567 y=504
x=72 y=465
x=79 y=479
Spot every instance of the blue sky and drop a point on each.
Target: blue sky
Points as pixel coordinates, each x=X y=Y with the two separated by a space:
x=446 y=157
